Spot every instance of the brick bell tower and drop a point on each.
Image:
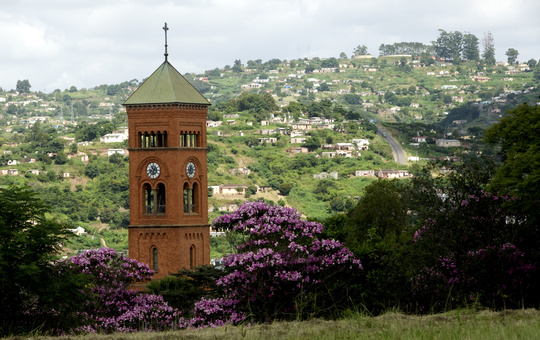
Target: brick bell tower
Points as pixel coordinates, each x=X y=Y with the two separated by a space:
x=169 y=227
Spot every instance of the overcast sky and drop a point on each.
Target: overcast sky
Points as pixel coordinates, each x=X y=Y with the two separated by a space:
x=60 y=43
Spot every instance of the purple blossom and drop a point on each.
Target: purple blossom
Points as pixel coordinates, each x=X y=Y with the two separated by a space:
x=281 y=260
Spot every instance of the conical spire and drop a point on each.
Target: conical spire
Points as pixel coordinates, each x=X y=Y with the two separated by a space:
x=166 y=85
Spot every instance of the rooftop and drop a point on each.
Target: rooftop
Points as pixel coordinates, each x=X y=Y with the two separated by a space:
x=166 y=86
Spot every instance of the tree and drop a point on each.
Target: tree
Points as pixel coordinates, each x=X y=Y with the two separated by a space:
x=110 y=305
x=23 y=86
x=282 y=269
x=285 y=188
x=360 y=50
x=449 y=45
x=489 y=48
x=29 y=285
x=342 y=55
x=183 y=289
x=73 y=148
x=12 y=109
x=531 y=63
x=312 y=143
x=61 y=158
x=474 y=253
x=471 y=51
x=55 y=145
x=382 y=209
x=237 y=67
x=91 y=170
x=512 y=55
x=518 y=176
x=536 y=72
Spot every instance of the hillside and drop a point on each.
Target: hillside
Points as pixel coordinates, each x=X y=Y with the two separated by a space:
x=291 y=132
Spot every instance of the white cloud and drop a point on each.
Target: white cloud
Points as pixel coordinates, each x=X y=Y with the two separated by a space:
x=56 y=44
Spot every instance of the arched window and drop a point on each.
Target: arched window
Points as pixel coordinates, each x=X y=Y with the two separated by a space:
x=148 y=199
x=152 y=139
x=195 y=199
x=160 y=198
x=146 y=140
x=154 y=259
x=189 y=139
x=162 y=139
x=192 y=257
x=154 y=199
x=188 y=199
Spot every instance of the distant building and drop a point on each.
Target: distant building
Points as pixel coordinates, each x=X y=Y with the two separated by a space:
x=114 y=138
x=448 y=143
x=364 y=173
x=391 y=173
x=419 y=139
x=111 y=152
x=324 y=175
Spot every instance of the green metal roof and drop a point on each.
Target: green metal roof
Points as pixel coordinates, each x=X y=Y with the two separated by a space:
x=166 y=85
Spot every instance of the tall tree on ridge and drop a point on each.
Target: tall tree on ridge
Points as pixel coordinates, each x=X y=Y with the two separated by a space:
x=489 y=48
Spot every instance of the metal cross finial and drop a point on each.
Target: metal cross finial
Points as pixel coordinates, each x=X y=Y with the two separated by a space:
x=165 y=28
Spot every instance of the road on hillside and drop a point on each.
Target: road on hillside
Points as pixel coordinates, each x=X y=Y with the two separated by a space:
x=397 y=151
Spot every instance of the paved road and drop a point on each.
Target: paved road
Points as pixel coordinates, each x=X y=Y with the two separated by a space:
x=397 y=151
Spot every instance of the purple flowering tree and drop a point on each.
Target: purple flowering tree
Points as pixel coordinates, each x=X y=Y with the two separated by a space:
x=110 y=305
x=476 y=252
x=281 y=269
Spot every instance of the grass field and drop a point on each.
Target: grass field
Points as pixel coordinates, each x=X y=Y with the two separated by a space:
x=462 y=324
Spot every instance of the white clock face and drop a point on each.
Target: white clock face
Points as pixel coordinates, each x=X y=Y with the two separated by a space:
x=190 y=169
x=153 y=170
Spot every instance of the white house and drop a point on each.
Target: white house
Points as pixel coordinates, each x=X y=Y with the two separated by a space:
x=111 y=152
x=114 y=138
x=298 y=140
x=364 y=173
x=448 y=143
x=324 y=175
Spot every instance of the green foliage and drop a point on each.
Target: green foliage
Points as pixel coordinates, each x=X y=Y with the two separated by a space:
x=60 y=158
x=517 y=133
x=449 y=45
x=512 y=55
x=91 y=170
x=312 y=143
x=470 y=47
x=360 y=50
x=181 y=290
x=89 y=132
x=23 y=86
x=412 y=48
x=29 y=242
x=382 y=211
x=285 y=188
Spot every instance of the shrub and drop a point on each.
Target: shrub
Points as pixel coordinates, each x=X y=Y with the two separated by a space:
x=110 y=305
x=476 y=252
x=281 y=271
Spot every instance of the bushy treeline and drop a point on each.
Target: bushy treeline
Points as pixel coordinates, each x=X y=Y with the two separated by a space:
x=457 y=234
x=282 y=268
x=411 y=48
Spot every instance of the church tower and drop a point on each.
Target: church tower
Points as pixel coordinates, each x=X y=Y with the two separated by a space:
x=169 y=227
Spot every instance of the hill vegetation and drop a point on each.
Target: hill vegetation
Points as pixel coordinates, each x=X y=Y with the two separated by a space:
x=456 y=228
x=53 y=140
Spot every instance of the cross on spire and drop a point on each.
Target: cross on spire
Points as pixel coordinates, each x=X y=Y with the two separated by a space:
x=165 y=28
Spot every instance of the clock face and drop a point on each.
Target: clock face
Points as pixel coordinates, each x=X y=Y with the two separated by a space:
x=153 y=170
x=190 y=169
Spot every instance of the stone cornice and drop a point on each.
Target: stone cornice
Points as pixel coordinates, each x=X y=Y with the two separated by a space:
x=161 y=107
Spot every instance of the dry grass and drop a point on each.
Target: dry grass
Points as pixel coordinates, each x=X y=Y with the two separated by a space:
x=511 y=324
